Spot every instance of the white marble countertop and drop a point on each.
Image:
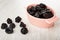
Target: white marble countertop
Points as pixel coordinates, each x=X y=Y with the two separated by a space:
x=13 y=8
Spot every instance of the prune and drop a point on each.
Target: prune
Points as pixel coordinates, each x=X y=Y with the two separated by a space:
x=4 y=26
x=18 y=19
x=9 y=21
x=24 y=30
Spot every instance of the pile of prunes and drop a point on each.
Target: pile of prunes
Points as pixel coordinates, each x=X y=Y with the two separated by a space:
x=40 y=11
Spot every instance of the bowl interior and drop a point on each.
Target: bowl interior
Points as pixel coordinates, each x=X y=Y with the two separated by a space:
x=35 y=5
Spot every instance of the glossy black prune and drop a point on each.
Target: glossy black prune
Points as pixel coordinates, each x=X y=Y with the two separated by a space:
x=22 y=24
x=9 y=30
x=43 y=6
x=4 y=26
x=12 y=25
x=9 y=21
x=31 y=10
x=18 y=19
x=24 y=30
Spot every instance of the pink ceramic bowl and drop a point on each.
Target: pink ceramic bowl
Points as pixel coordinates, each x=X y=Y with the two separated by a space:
x=39 y=22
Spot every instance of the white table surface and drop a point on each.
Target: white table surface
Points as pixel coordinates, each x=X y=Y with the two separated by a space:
x=13 y=8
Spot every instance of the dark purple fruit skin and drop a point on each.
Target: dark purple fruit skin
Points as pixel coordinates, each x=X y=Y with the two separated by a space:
x=31 y=10
x=38 y=8
x=41 y=16
x=48 y=15
x=22 y=24
x=40 y=11
x=18 y=19
x=37 y=14
x=4 y=26
x=12 y=25
x=9 y=30
x=9 y=21
x=43 y=6
x=24 y=30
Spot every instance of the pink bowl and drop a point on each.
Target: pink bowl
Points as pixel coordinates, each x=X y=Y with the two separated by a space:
x=44 y=23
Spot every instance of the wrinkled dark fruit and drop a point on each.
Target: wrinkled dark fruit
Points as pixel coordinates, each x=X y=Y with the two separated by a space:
x=40 y=11
x=9 y=21
x=37 y=14
x=22 y=24
x=12 y=25
x=24 y=30
x=43 y=6
x=41 y=16
x=31 y=10
x=38 y=8
x=48 y=15
x=4 y=26
x=9 y=30
x=18 y=19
